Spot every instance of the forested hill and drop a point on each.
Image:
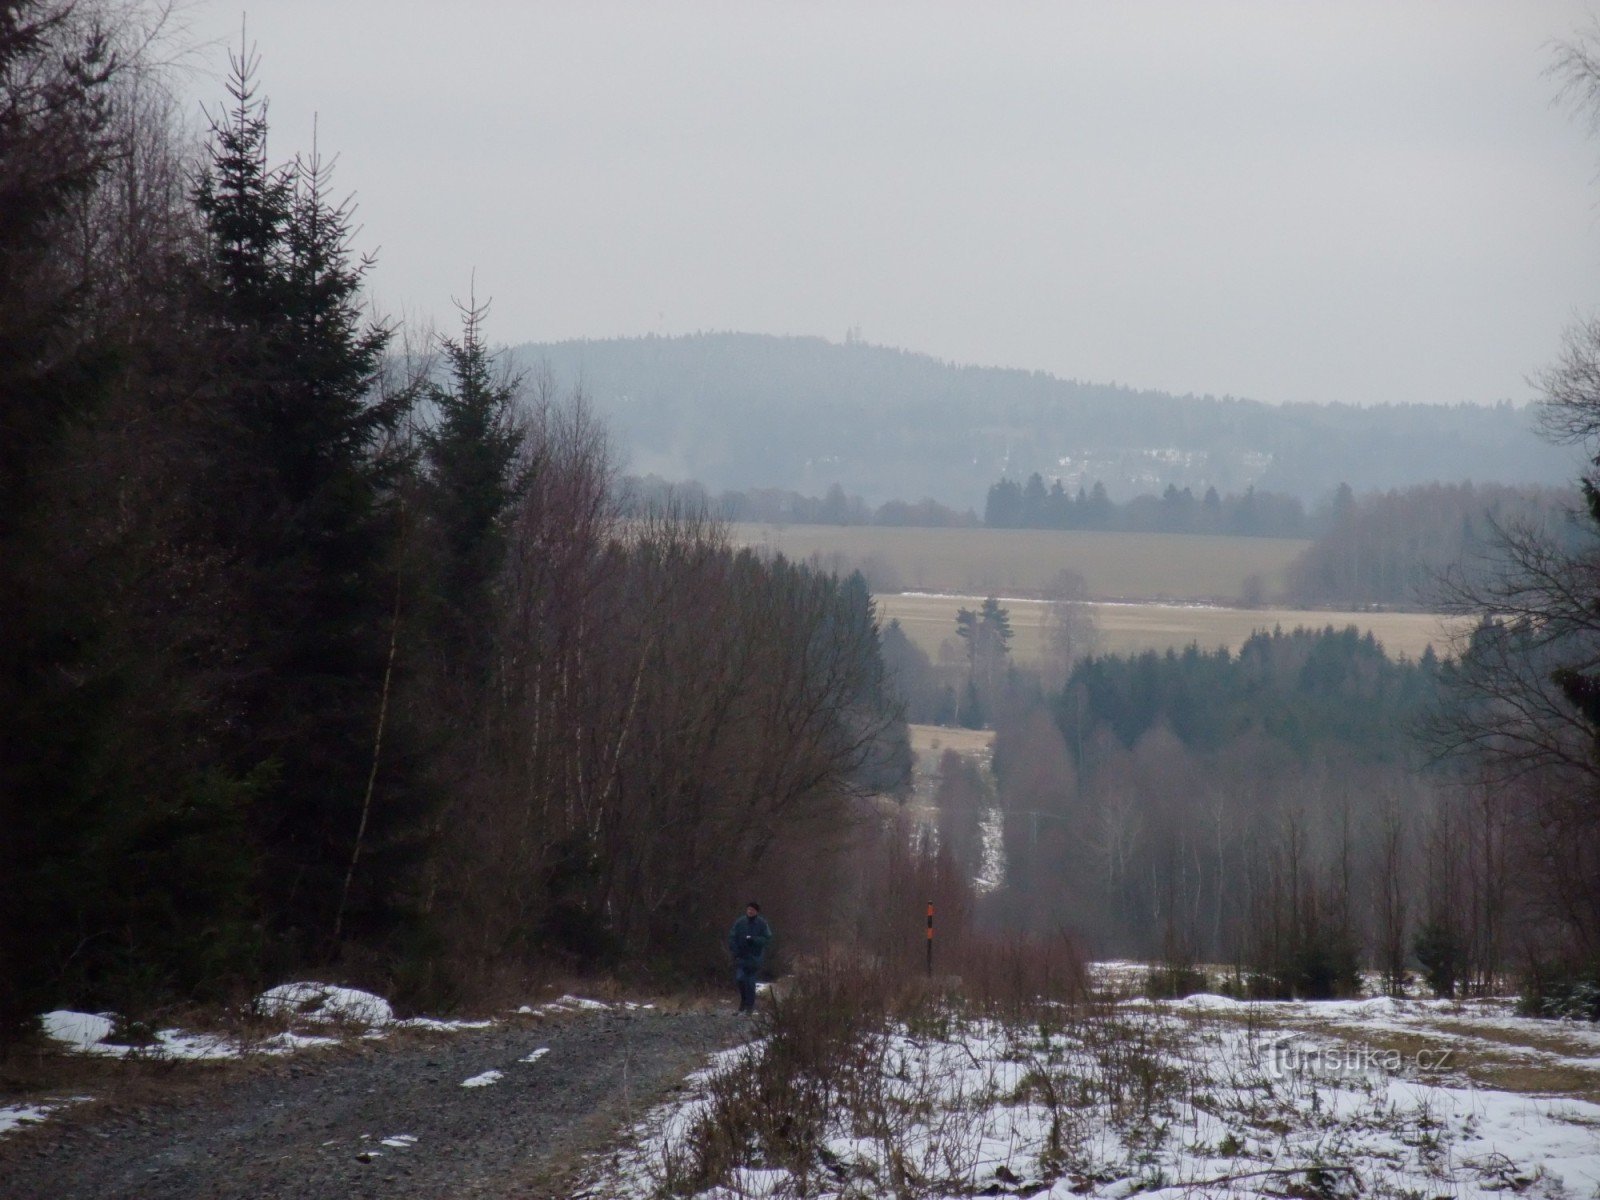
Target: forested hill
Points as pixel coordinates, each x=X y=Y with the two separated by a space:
x=739 y=410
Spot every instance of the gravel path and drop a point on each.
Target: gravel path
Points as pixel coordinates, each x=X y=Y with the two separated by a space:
x=315 y=1126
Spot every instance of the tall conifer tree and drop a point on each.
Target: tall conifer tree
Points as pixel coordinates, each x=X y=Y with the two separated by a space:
x=471 y=453
x=306 y=459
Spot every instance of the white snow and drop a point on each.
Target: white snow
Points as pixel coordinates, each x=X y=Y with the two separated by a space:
x=570 y=1004
x=288 y=1043
x=1206 y=1002
x=963 y=1113
x=78 y=1030
x=400 y=1141
x=582 y=1003
x=439 y=1025
x=536 y=1055
x=338 y=1011
x=483 y=1080
x=327 y=1002
x=15 y=1116
x=86 y=1033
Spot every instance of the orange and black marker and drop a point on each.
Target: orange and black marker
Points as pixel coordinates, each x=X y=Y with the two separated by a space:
x=930 y=939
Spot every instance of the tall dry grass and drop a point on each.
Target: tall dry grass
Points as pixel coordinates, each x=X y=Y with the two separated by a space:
x=835 y=1062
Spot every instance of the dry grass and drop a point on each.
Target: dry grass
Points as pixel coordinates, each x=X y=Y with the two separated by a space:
x=1021 y=562
x=1508 y=1072
x=1473 y=1047
x=936 y=739
x=1132 y=628
x=961 y=566
x=867 y=1088
x=830 y=1051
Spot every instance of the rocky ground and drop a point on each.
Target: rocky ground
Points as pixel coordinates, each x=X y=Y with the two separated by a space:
x=389 y=1119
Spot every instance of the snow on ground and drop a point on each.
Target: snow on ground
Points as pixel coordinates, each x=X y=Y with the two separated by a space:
x=330 y=1009
x=92 y=1033
x=1200 y=1097
x=14 y=1116
x=323 y=1006
x=325 y=1002
x=78 y=1030
x=535 y=1055
x=571 y=1004
x=441 y=1025
x=484 y=1080
x=1481 y=1026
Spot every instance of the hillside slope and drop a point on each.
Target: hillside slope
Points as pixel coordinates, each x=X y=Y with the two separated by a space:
x=746 y=410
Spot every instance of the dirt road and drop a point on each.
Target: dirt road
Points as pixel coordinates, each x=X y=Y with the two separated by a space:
x=386 y=1120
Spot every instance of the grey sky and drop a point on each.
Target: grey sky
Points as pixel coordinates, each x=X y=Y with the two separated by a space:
x=1290 y=201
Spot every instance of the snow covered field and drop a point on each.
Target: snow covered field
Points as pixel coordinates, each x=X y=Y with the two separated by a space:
x=1198 y=1097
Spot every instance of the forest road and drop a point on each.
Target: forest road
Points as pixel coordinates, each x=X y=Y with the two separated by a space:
x=389 y=1120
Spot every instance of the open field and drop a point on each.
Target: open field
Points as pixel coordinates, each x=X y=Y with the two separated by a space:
x=1132 y=628
x=1203 y=1096
x=1020 y=562
x=935 y=739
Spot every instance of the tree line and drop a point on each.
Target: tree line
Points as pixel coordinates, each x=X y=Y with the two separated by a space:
x=1288 y=811
x=779 y=506
x=1398 y=548
x=327 y=644
x=1033 y=505
x=1406 y=545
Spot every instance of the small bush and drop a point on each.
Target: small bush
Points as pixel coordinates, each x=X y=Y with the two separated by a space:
x=1172 y=982
x=1561 y=990
x=1438 y=948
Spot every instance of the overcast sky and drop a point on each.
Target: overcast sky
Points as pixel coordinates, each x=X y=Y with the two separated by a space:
x=1288 y=201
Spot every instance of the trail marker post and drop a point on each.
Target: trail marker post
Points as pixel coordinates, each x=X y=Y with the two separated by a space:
x=930 y=939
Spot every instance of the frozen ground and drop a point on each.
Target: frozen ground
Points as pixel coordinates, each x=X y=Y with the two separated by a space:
x=1201 y=1097
x=314 y=1015
x=1205 y=1096
x=383 y=1117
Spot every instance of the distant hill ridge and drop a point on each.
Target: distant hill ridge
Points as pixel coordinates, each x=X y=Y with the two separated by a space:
x=739 y=410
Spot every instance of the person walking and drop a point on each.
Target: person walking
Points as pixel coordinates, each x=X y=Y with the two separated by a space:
x=747 y=942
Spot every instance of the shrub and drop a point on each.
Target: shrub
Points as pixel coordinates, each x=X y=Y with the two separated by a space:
x=1172 y=982
x=1439 y=950
x=1567 y=990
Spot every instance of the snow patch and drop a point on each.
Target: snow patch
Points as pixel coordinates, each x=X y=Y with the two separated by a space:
x=568 y=1004
x=15 y=1116
x=288 y=1043
x=581 y=1002
x=1207 y=1002
x=77 y=1029
x=86 y=1033
x=536 y=1055
x=484 y=1080
x=315 y=1003
x=438 y=1025
x=1248 y=1118
x=401 y=1141
x=325 y=1002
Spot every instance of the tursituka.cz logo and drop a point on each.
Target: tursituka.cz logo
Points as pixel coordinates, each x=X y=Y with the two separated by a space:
x=1288 y=1056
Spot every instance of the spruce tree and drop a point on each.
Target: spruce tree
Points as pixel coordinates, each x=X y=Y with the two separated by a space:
x=471 y=452
x=54 y=143
x=121 y=852
x=305 y=461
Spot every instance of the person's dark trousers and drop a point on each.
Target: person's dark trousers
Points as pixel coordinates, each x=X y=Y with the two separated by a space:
x=745 y=977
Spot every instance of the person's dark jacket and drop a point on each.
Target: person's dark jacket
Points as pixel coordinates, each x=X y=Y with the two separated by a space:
x=748 y=940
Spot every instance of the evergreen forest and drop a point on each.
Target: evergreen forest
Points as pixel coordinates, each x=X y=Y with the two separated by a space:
x=327 y=646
